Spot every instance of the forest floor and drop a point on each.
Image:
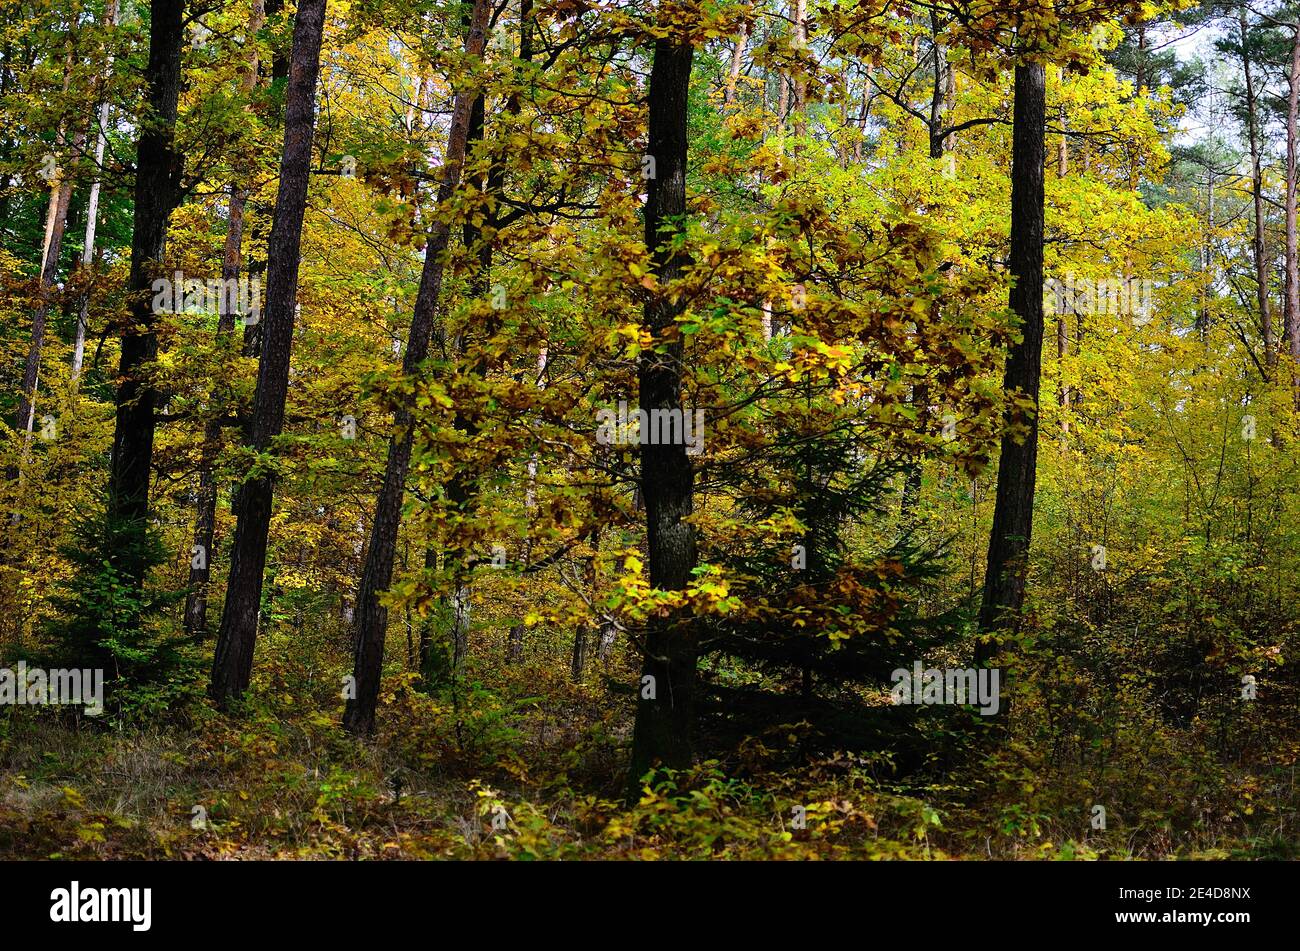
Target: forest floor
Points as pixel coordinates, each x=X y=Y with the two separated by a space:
x=491 y=771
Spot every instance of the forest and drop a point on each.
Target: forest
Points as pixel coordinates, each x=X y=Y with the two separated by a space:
x=649 y=429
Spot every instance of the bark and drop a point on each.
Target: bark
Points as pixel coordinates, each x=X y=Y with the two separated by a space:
x=233 y=663
x=205 y=518
x=1004 y=580
x=608 y=633
x=157 y=193
x=938 y=93
x=585 y=630
x=371 y=618
x=737 y=60
x=662 y=733
x=578 y=662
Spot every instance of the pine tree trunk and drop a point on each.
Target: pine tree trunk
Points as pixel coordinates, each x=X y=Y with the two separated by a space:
x=205 y=518
x=371 y=619
x=157 y=193
x=233 y=664
x=1013 y=514
x=662 y=734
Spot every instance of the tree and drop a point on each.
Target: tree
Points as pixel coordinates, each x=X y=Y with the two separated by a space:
x=233 y=662
x=665 y=712
x=1013 y=514
x=157 y=193
x=371 y=623
x=196 y=601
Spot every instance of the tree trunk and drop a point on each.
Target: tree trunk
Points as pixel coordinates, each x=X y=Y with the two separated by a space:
x=608 y=633
x=371 y=622
x=233 y=663
x=579 y=660
x=157 y=193
x=664 y=722
x=1013 y=514
x=737 y=60
x=938 y=92
x=583 y=630
x=205 y=518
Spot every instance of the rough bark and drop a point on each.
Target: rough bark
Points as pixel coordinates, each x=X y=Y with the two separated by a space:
x=205 y=517
x=157 y=193
x=737 y=60
x=662 y=733
x=233 y=664
x=1004 y=580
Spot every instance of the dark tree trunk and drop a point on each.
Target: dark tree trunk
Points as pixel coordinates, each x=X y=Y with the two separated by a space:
x=371 y=619
x=157 y=193
x=938 y=92
x=584 y=630
x=662 y=734
x=1013 y=513
x=205 y=519
x=578 y=662
x=233 y=664
x=279 y=61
